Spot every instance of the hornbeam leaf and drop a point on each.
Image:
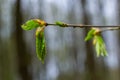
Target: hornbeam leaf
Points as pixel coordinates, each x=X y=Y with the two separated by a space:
x=30 y=24
x=97 y=47
x=34 y=23
x=100 y=46
x=40 y=44
x=90 y=35
x=98 y=41
x=40 y=40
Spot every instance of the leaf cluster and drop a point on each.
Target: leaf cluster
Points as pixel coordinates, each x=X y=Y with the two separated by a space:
x=40 y=39
x=94 y=33
x=98 y=41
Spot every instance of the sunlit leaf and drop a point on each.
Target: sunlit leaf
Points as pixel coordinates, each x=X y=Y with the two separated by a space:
x=40 y=40
x=34 y=23
x=40 y=44
x=30 y=24
x=100 y=46
x=97 y=47
x=90 y=35
x=98 y=41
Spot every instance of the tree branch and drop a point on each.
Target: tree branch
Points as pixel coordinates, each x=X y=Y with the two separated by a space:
x=101 y=27
x=110 y=28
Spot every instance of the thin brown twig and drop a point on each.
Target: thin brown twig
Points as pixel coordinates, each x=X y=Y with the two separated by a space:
x=101 y=27
x=110 y=28
x=82 y=25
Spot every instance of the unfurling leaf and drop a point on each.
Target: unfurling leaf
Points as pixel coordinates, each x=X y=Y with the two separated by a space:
x=98 y=41
x=34 y=23
x=29 y=25
x=61 y=24
x=40 y=44
x=40 y=40
x=100 y=46
x=90 y=34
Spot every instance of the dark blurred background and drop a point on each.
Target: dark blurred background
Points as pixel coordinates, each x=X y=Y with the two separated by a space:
x=68 y=57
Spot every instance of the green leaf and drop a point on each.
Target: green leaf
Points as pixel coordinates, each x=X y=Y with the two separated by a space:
x=40 y=40
x=90 y=34
x=40 y=44
x=97 y=47
x=98 y=41
x=61 y=24
x=34 y=23
x=100 y=46
x=30 y=24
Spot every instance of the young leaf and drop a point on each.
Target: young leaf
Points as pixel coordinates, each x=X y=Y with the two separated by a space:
x=34 y=23
x=40 y=44
x=30 y=24
x=100 y=46
x=97 y=47
x=90 y=34
x=98 y=41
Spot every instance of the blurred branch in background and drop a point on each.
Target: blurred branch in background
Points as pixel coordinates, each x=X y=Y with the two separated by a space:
x=24 y=58
x=118 y=15
x=90 y=62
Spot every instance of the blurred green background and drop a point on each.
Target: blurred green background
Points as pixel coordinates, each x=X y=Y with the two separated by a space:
x=68 y=57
